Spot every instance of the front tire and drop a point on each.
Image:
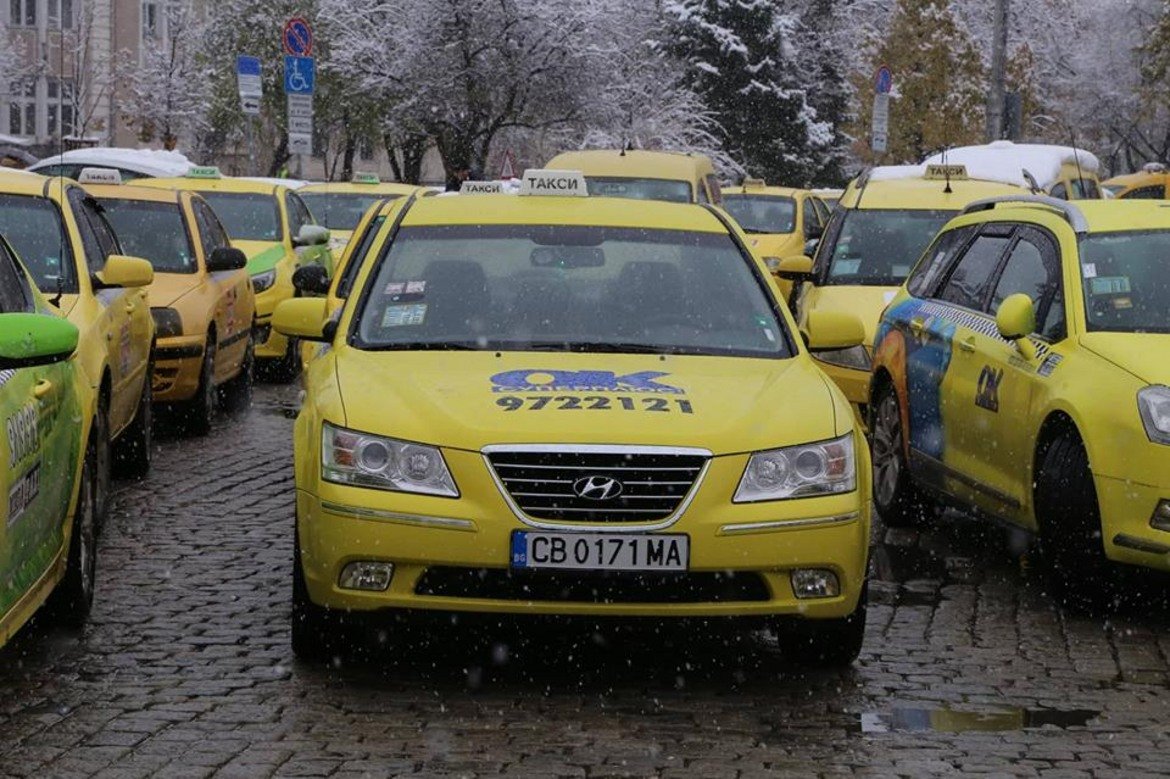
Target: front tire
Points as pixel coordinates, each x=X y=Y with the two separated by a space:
x=284 y=370
x=236 y=393
x=200 y=411
x=73 y=597
x=132 y=451
x=898 y=499
x=102 y=470
x=314 y=633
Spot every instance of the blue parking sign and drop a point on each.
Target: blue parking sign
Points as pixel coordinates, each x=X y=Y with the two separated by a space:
x=300 y=75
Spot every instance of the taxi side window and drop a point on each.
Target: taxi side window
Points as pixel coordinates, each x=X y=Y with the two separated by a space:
x=936 y=260
x=971 y=280
x=1033 y=268
x=357 y=257
x=211 y=233
x=813 y=226
x=716 y=190
x=702 y=190
x=298 y=214
x=1145 y=193
x=1059 y=191
x=828 y=244
x=96 y=236
x=15 y=296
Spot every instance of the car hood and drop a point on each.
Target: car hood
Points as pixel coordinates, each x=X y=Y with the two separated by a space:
x=1145 y=355
x=167 y=288
x=776 y=244
x=866 y=303
x=262 y=255
x=461 y=399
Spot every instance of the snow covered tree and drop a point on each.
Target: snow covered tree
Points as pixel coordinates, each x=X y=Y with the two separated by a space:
x=939 y=83
x=738 y=56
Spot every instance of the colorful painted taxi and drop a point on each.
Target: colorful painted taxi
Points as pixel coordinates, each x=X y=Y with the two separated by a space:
x=780 y=221
x=884 y=221
x=47 y=527
x=339 y=205
x=276 y=231
x=1147 y=184
x=72 y=254
x=537 y=405
x=1024 y=372
x=1063 y=172
x=676 y=177
x=201 y=298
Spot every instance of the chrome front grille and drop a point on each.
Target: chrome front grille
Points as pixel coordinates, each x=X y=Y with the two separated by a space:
x=578 y=485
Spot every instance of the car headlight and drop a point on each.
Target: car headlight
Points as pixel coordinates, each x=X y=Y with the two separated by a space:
x=856 y=357
x=1154 y=405
x=825 y=468
x=365 y=460
x=262 y=281
x=167 y=322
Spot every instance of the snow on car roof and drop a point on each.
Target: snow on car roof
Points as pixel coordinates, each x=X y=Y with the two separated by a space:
x=150 y=162
x=276 y=182
x=1006 y=161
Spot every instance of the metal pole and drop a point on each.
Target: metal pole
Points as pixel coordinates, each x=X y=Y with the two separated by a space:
x=995 y=95
x=250 y=134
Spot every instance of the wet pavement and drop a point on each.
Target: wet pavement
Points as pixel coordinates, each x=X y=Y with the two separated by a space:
x=185 y=669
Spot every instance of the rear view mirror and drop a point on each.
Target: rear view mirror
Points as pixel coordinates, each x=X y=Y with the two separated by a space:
x=1016 y=320
x=311 y=279
x=303 y=318
x=796 y=267
x=225 y=258
x=832 y=330
x=311 y=235
x=568 y=257
x=123 y=271
x=27 y=340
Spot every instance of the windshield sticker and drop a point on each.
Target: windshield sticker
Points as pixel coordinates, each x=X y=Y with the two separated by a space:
x=535 y=380
x=1090 y=270
x=1110 y=285
x=407 y=315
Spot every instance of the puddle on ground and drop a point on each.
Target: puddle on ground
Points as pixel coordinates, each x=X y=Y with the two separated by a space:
x=952 y=721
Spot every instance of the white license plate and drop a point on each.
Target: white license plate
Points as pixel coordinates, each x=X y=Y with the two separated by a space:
x=601 y=551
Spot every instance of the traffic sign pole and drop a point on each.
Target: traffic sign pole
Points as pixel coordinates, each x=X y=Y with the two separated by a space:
x=251 y=88
x=883 y=84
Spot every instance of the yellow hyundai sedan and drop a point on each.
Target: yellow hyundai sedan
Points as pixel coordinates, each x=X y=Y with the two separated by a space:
x=1024 y=372
x=552 y=403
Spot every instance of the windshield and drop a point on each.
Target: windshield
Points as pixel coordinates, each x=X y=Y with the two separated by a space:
x=246 y=216
x=340 y=211
x=1127 y=281
x=153 y=231
x=878 y=248
x=33 y=228
x=639 y=189
x=762 y=213
x=565 y=288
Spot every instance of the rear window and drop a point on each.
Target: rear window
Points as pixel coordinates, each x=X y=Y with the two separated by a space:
x=640 y=189
x=246 y=216
x=762 y=213
x=34 y=230
x=340 y=211
x=153 y=231
x=879 y=247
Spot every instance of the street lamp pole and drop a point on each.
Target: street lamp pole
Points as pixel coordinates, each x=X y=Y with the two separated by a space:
x=995 y=95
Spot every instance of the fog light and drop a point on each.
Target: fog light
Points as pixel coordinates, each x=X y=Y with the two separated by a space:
x=815 y=583
x=1161 y=518
x=366 y=575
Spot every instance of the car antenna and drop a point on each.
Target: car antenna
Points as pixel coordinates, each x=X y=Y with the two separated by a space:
x=947 y=171
x=1032 y=183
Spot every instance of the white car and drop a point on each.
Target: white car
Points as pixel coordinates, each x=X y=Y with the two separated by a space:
x=130 y=163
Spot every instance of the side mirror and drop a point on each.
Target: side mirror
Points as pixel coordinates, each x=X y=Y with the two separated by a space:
x=1016 y=320
x=797 y=267
x=831 y=330
x=123 y=271
x=303 y=318
x=311 y=279
x=225 y=258
x=27 y=340
x=311 y=235
x=810 y=246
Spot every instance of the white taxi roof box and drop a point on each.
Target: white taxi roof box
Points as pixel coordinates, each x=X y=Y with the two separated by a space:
x=945 y=172
x=751 y=183
x=553 y=183
x=481 y=187
x=99 y=176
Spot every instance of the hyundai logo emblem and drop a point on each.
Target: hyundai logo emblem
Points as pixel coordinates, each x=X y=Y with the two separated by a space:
x=597 y=488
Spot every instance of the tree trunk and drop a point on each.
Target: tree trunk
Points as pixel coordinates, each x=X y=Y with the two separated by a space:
x=280 y=157
x=347 y=157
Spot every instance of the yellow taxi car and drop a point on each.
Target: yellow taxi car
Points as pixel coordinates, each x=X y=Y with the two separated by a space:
x=65 y=242
x=1023 y=371
x=1147 y=184
x=536 y=406
x=885 y=219
x=779 y=221
x=676 y=177
x=276 y=231
x=339 y=205
x=1063 y=172
x=830 y=196
x=47 y=521
x=201 y=298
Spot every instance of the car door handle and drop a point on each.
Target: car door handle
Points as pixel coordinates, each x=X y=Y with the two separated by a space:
x=967 y=344
x=42 y=388
x=917 y=325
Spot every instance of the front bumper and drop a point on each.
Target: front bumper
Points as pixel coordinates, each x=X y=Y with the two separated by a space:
x=269 y=343
x=178 y=362
x=855 y=384
x=468 y=541
x=1126 y=509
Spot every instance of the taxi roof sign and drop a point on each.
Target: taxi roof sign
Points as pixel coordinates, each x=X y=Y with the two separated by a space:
x=750 y=183
x=945 y=172
x=481 y=187
x=203 y=172
x=99 y=176
x=554 y=183
x=365 y=178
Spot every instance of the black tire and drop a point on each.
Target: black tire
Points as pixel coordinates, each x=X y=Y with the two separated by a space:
x=314 y=631
x=1069 y=517
x=285 y=369
x=826 y=643
x=199 y=412
x=103 y=461
x=132 y=451
x=72 y=599
x=236 y=393
x=897 y=498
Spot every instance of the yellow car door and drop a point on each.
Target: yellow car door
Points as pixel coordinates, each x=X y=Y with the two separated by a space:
x=232 y=290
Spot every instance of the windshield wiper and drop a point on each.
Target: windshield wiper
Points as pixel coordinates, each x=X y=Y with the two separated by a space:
x=607 y=347
x=436 y=346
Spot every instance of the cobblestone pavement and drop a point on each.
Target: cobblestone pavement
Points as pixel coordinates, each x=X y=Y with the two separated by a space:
x=185 y=669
